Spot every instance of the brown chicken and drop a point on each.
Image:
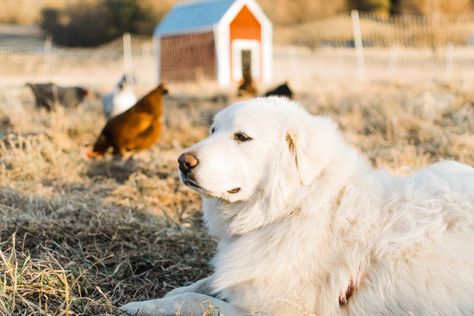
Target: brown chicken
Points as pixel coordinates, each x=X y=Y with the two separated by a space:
x=247 y=87
x=136 y=129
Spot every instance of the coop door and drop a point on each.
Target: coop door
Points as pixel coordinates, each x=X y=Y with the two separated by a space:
x=246 y=61
x=245 y=58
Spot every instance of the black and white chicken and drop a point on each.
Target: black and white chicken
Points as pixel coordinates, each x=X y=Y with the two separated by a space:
x=120 y=99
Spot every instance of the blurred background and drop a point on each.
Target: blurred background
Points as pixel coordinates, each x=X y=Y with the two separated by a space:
x=70 y=40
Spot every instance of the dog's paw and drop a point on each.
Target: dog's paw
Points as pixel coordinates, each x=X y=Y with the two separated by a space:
x=145 y=308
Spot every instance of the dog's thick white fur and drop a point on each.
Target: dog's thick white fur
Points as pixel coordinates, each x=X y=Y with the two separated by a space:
x=306 y=226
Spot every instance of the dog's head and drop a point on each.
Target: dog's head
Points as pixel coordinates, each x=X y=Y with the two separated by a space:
x=256 y=146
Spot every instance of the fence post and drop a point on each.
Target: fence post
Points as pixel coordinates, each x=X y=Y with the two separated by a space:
x=295 y=71
x=358 y=44
x=393 y=57
x=48 y=60
x=449 y=59
x=127 y=57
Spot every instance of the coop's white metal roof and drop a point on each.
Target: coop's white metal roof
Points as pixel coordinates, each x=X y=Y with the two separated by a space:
x=193 y=16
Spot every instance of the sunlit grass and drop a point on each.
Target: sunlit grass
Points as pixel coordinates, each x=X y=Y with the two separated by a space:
x=82 y=237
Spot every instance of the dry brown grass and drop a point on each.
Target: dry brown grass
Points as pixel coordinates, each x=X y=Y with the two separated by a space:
x=81 y=238
x=26 y=11
x=281 y=12
x=29 y=11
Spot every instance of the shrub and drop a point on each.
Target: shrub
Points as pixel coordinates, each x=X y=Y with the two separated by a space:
x=93 y=23
x=375 y=6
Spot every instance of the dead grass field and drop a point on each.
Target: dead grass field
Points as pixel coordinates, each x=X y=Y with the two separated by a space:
x=81 y=238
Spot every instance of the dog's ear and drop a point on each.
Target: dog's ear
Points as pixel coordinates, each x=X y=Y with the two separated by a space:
x=310 y=143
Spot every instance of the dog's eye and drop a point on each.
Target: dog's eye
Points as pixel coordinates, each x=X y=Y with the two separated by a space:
x=241 y=137
x=213 y=129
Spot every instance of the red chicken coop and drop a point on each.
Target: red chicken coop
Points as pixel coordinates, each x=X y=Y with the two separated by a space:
x=215 y=40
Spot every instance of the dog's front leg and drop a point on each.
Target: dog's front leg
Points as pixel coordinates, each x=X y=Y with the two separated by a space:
x=185 y=304
x=202 y=286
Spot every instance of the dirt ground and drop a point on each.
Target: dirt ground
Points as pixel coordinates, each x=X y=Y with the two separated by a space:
x=81 y=238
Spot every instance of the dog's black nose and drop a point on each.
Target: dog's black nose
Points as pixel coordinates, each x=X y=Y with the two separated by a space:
x=187 y=162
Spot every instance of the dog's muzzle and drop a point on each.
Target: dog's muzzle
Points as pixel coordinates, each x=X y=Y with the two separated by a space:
x=187 y=163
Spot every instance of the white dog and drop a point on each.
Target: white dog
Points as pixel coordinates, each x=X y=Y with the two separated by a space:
x=306 y=227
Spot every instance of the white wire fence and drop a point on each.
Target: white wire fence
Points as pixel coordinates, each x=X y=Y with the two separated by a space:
x=366 y=46
x=383 y=31
x=353 y=46
x=100 y=66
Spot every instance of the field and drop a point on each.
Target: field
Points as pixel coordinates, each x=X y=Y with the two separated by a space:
x=82 y=237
